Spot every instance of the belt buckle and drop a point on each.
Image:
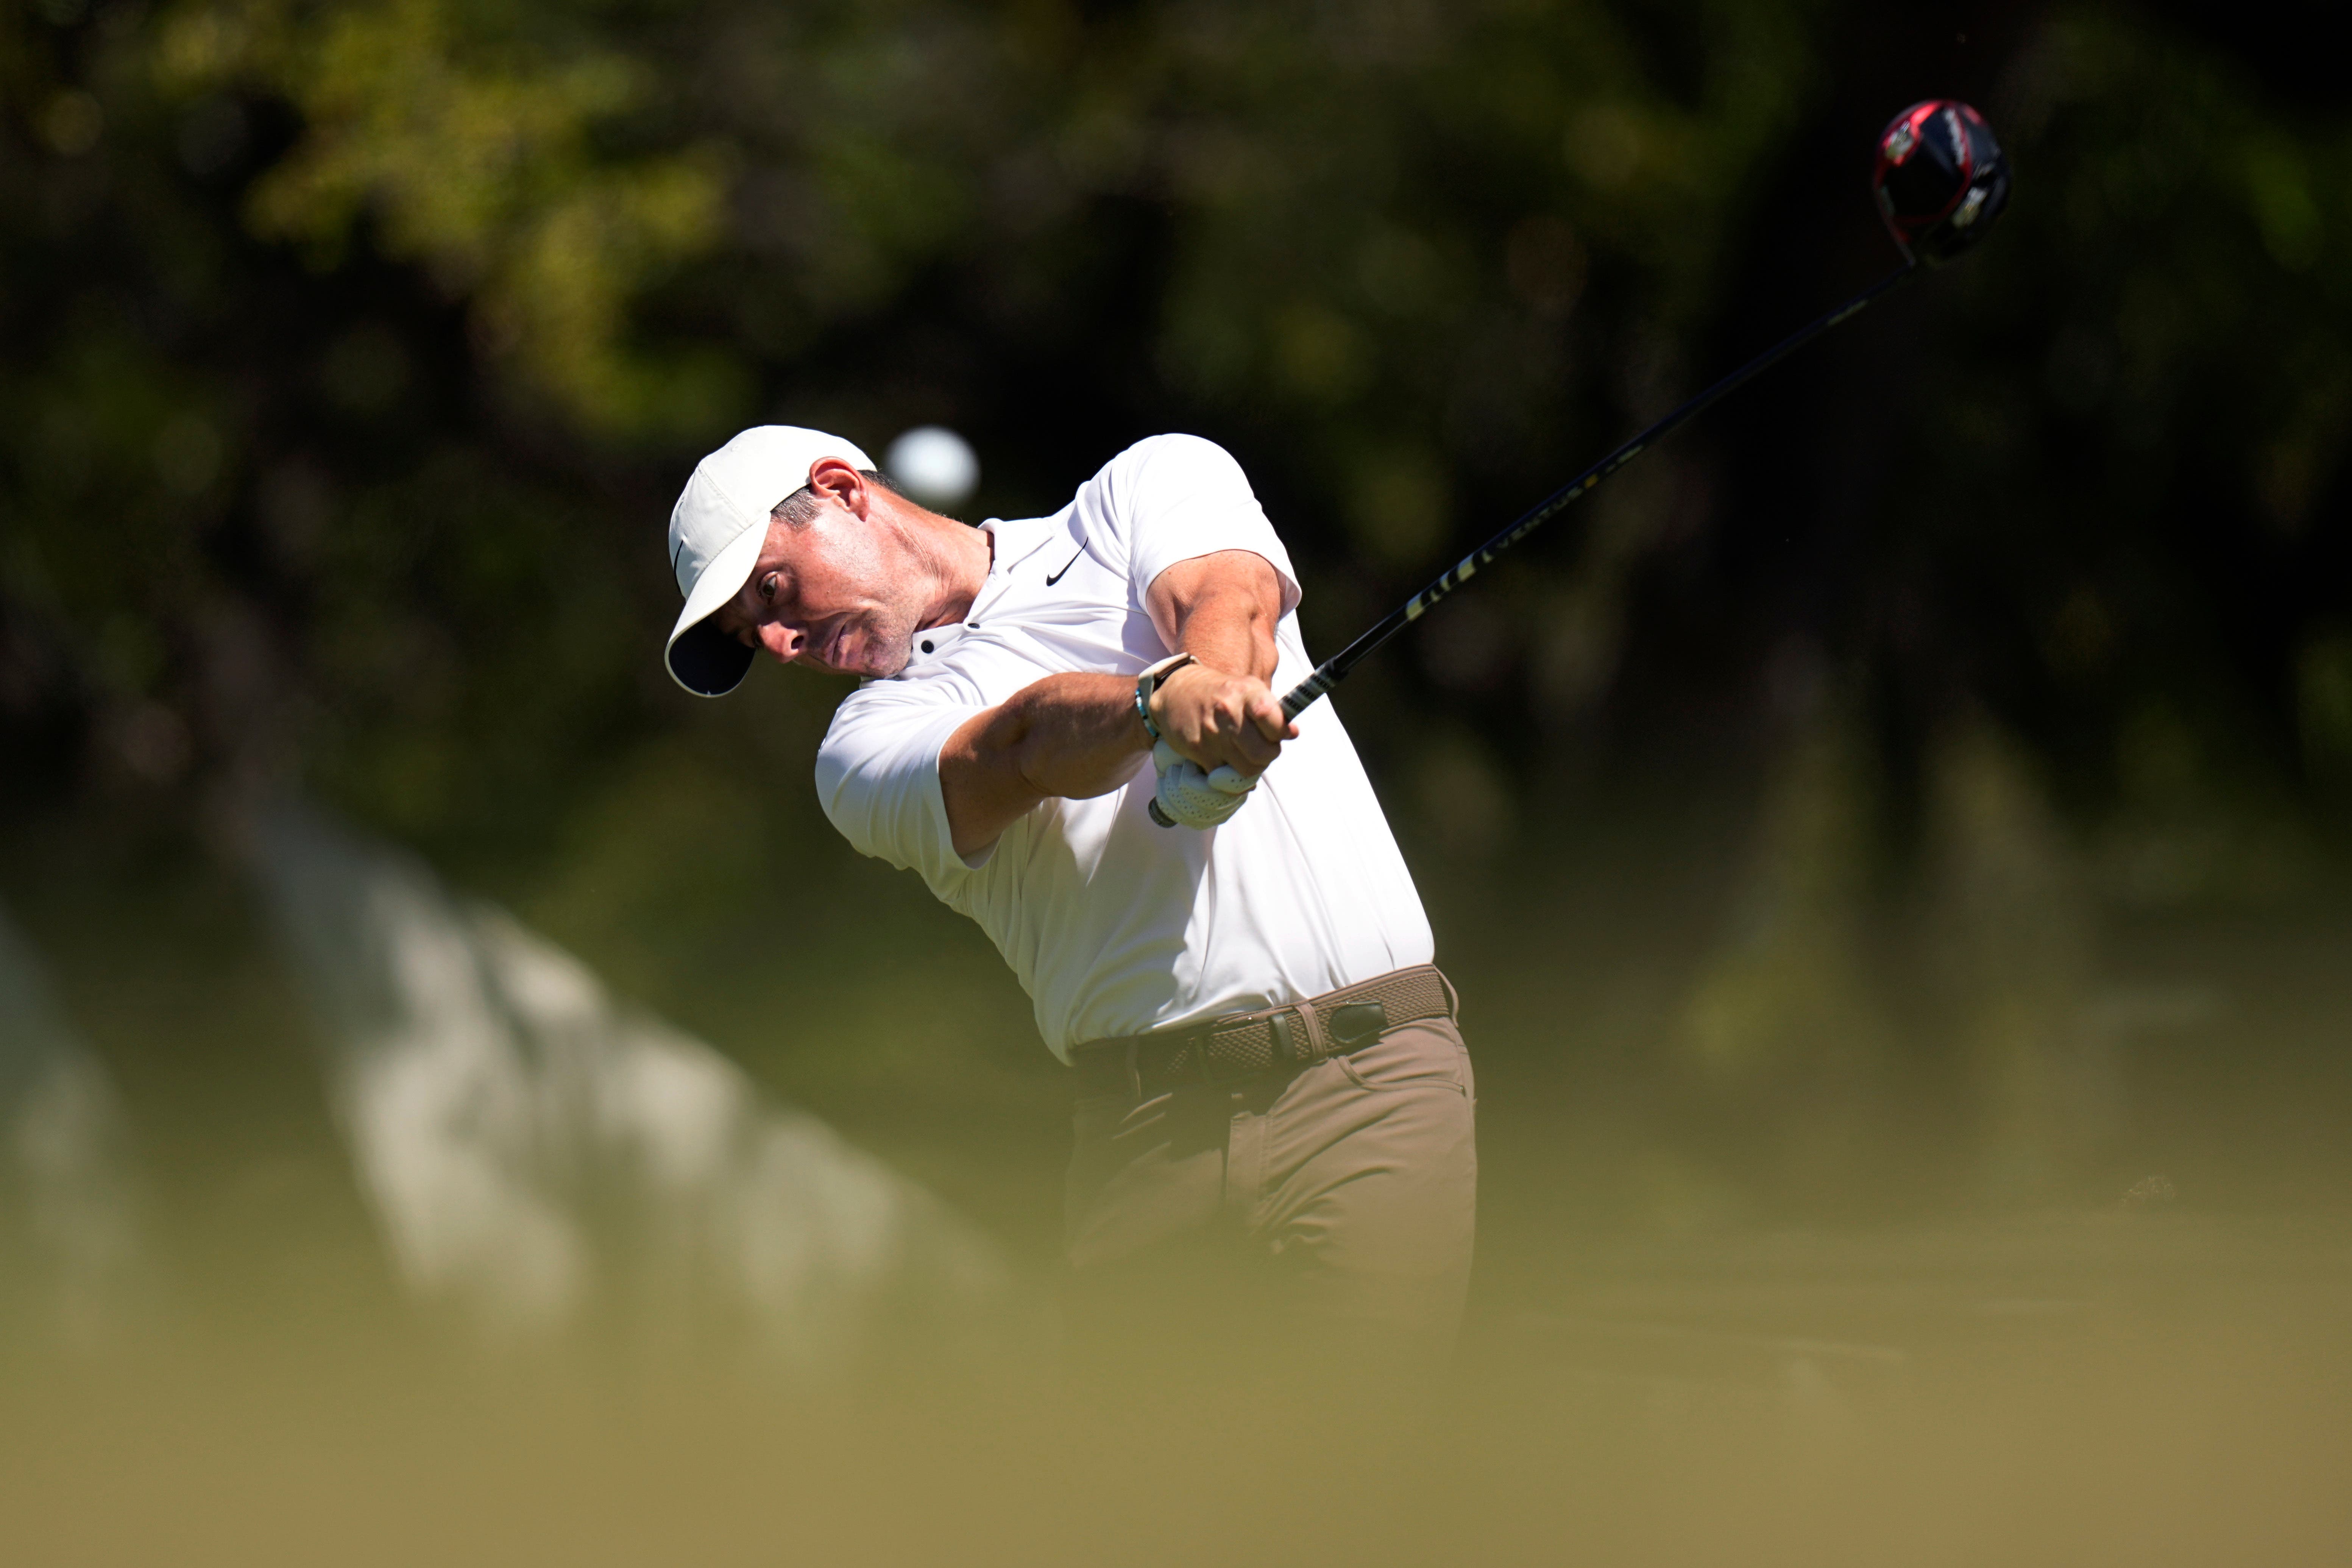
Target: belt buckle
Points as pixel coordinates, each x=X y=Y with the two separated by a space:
x=1356 y=1025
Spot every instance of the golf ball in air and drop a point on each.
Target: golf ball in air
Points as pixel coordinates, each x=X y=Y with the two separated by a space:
x=933 y=464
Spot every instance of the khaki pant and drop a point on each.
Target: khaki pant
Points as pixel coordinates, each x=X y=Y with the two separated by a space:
x=1310 y=1219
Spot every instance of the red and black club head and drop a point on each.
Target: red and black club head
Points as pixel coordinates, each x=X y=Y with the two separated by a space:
x=1941 y=179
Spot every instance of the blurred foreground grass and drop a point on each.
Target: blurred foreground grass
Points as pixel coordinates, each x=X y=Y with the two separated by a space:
x=2119 y=1387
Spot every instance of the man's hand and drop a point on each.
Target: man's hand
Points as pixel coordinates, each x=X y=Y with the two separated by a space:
x=1184 y=796
x=1222 y=609
x=1216 y=719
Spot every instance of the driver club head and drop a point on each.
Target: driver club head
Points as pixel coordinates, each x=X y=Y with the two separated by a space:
x=1941 y=180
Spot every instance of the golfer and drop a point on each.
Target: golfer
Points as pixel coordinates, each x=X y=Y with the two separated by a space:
x=1273 y=1126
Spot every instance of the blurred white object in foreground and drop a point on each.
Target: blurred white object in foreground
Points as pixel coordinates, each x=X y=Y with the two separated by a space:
x=537 y=1154
x=68 y=1235
x=933 y=465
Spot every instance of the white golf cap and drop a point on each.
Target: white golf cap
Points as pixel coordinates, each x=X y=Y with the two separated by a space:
x=716 y=532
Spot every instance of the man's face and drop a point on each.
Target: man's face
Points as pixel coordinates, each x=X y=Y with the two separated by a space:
x=831 y=595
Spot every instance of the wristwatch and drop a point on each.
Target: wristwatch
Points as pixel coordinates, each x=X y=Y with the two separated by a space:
x=1148 y=682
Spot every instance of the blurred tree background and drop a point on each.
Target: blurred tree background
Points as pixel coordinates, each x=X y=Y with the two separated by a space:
x=1924 y=781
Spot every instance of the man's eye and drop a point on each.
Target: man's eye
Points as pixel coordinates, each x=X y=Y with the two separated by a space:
x=768 y=588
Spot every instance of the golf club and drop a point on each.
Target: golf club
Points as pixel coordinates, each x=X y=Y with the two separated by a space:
x=1940 y=181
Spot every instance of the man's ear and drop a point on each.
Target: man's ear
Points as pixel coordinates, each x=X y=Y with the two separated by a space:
x=836 y=477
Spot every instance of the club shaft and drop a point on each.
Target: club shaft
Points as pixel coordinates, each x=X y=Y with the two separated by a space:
x=1333 y=670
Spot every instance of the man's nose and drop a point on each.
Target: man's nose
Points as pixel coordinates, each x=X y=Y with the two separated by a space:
x=782 y=642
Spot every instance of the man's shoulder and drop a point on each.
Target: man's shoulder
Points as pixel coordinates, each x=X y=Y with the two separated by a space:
x=1169 y=455
x=884 y=729
x=878 y=706
x=1157 y=473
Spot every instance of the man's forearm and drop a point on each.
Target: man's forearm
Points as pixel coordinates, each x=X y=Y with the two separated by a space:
x=1074 y=736
x=1222 y=609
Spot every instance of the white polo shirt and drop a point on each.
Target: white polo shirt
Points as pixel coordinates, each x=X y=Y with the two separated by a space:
x=1116 y=925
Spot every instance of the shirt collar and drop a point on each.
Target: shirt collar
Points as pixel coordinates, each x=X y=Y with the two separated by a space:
x=1013 y=543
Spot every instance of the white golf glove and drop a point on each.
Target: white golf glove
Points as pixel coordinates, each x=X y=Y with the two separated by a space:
x=1187 y=797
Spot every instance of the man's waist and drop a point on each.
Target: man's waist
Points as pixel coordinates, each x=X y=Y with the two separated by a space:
x=1271 y=1039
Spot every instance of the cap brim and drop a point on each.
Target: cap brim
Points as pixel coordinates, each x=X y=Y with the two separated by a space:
x=702 y=659
x=707 y=661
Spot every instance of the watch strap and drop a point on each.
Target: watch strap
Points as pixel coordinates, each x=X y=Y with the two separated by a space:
x=1148 y=682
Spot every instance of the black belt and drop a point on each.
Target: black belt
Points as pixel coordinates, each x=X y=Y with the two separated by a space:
x=1274 y=1039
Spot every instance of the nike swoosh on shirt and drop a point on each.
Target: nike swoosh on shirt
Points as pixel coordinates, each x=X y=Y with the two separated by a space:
x=1065 y=571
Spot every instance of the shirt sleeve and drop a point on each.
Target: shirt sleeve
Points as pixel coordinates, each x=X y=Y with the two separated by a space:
x=1181 y=497
x=877 y=778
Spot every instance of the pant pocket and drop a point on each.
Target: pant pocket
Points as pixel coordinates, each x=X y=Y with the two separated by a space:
x=1411 y=1056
